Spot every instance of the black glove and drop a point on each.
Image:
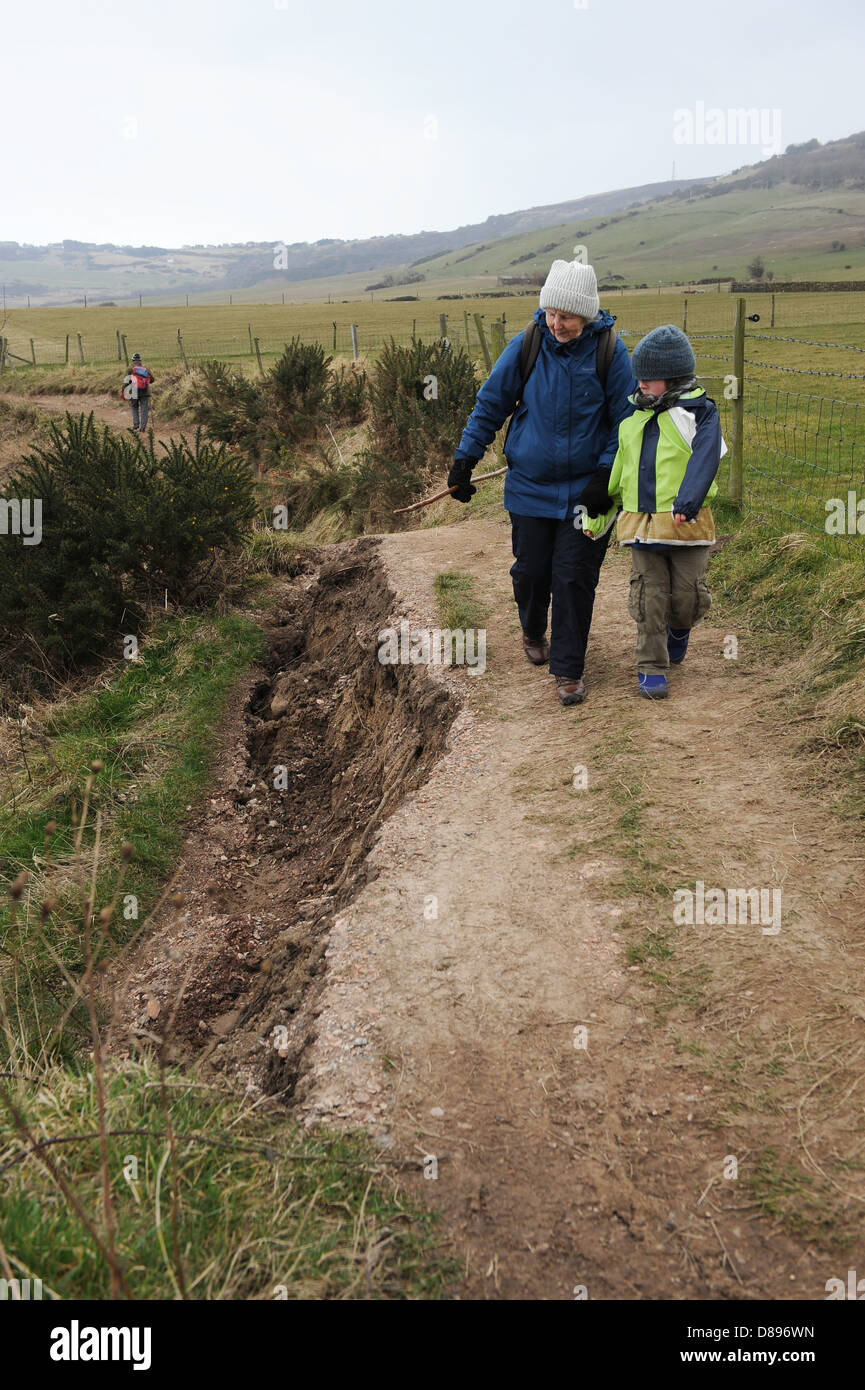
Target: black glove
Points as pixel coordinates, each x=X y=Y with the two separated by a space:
x=460 y=477
x=595 y=497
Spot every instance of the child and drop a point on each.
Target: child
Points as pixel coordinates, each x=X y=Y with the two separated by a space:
x=662 y=475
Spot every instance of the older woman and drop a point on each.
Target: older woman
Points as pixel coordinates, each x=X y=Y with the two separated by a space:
x=559 y=449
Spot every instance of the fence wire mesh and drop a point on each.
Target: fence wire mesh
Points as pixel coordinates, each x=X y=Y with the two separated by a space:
x=803 y=452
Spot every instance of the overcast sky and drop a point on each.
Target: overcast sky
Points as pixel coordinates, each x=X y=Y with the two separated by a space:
x=183 y=121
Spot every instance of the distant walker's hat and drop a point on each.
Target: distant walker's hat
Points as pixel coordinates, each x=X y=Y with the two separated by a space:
x=136 y=356
x=572 y=288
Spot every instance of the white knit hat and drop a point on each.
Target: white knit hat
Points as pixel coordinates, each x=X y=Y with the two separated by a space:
x=572 y=288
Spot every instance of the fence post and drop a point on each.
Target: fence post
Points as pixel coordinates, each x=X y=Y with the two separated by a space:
x=67 y=350
x=119 y=354
x=354 y=351
x=497 y=333
x=413 y=329
x=258 y=355
x=483 y=342
x=772 y=317
x=443 y=326
x=139 y=301
x=334 y=334
x=182 y=350
x=249 y=331
x=737 y=470
x=80 y=349
x=32 y=353
x=2 y=353
x=123 y=341
x=468 y=331
x=684 y=314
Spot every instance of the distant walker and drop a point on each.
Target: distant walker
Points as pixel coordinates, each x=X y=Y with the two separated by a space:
x=136 y=390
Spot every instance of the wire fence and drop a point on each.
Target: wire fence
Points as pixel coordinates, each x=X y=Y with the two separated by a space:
x=802 y=451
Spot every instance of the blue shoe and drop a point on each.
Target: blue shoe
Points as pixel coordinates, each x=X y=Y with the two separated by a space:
x=653 y=687
x=677 y=643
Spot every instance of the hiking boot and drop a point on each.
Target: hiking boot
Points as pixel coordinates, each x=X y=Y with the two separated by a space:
x=537 y=649
x=677 y=643
x=570 y=690
x=653 y=687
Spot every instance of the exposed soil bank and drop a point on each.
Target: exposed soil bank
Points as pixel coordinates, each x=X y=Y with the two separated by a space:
x=330 y=741
x=434 y=932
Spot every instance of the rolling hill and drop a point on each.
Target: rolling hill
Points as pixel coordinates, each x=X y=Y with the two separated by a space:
x=803 y=212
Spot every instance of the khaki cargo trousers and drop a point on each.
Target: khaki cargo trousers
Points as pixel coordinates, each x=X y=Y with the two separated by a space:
x=668 y=587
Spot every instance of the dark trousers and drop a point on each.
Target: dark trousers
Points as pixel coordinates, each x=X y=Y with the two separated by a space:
x=553 y=559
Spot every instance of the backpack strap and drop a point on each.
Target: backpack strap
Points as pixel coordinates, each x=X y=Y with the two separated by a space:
x=531 y=346
x=606 y=347
x=529 y=349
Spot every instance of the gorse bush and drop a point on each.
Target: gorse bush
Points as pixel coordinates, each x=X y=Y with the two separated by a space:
x=299 y=396
x=120 y=526
x=229 y=406
x=297 y=385
x=420 y=399
x=347 y=399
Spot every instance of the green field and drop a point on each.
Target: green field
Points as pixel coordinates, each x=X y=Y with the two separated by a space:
x=224 y=332
x=800 y=230
x=804 y=378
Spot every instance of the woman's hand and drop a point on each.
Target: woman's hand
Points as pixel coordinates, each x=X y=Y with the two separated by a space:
x=460 y=477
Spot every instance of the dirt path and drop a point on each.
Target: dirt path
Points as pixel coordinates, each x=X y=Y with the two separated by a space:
x=601 y=1101
x=499 y=923
x=109 y=409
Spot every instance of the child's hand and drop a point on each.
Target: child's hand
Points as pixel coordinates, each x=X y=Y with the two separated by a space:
x=679 y=517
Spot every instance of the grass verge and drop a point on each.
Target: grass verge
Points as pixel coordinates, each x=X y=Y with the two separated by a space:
x=458 y=605
x=95 y=812
x=805 y=607
x=249 y=1206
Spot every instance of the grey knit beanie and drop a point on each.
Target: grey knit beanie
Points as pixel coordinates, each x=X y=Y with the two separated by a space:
x=663 y=355
x=572 y=288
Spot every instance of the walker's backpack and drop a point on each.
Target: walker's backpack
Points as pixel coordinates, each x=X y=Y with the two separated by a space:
x=531 y=346
x=141 y=377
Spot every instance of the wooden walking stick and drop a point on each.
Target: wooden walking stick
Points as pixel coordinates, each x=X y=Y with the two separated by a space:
x=482 y=478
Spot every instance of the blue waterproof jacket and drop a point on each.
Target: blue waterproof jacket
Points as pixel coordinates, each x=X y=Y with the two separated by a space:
x=565 y=428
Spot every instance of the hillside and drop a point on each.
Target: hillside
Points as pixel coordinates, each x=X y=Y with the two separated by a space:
x=65 y=271
x=803 y=212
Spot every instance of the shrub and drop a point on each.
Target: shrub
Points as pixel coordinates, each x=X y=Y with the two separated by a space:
x=297 y=386
x=230 y=407
x=120 y=526
x=347 y=395
x=420 y=399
